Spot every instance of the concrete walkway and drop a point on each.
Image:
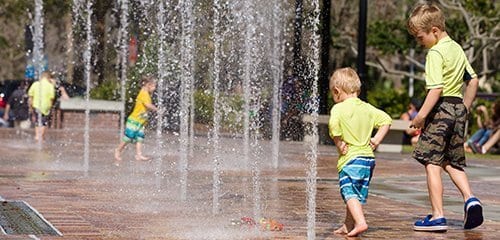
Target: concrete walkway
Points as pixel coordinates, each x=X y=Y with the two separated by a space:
x=157 y=199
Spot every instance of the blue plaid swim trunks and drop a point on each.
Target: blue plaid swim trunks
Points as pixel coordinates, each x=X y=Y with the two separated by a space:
x=354 y=178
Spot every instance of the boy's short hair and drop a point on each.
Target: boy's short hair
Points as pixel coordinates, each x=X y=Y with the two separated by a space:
x=147 y=79
x=424 y=16
x=47 y=75
x=346 y=79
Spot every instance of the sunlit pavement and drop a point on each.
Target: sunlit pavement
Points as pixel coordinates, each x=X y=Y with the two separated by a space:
x=94 y=199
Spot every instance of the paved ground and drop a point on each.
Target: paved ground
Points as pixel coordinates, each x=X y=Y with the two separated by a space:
x=157 y=199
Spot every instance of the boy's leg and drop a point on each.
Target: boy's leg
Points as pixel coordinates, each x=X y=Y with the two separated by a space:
x=37 y=133
x=476 y=136
x=435 y=187
x=118 y=150
x=348 y=223
x=43 y=129
x=459 y=178
x=139 y=155
x=356 y=211
x=139 y=137
x=492 y=141
x=472 y=208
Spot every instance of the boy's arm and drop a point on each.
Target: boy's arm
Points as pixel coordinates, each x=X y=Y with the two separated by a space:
x=6 y=112
x=379 y=136
x=482 y=111
x=30 y=103
x=430 y=101
x=470 y=92
x=150 y=106
x=341 y=145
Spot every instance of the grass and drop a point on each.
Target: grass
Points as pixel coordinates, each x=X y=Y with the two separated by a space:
x=496 y=157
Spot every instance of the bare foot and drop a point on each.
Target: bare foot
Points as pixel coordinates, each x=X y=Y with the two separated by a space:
x=342 y=230
x=141 y=158
x=360 y=228
x=117 y=155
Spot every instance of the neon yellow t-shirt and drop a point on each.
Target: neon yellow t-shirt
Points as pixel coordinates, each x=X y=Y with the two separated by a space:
x=354 y=120
x=140 y=112
x=446 y=66
x=42 y=93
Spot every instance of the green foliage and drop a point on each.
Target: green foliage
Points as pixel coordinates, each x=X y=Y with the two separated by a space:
x=389 y=36
x=485 y=8
x=3 y=43
x=108 y=90
x=457 y=29
x=231 y=109
x=204 y=107
x=14 y=10
x=384 y=96
x=55 y=9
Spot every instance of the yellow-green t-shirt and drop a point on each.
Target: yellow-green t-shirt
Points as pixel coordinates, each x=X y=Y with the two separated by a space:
x=447 y=67
x=354 y=120
x=42 y=93
x=140 y=112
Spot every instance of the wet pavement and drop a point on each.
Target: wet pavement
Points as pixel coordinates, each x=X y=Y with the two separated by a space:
x=158 y=199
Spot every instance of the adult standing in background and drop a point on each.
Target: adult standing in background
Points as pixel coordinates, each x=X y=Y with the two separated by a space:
x=17 y=109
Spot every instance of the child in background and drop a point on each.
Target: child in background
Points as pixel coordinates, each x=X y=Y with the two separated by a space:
x=486 y=126
x=442 y=116
x=351 y=125
x=410 y=135
x=41 y=98
x=134 y=129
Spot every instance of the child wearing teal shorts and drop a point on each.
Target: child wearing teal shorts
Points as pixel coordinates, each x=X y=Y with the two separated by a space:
x=134 y=129
x=350 y=126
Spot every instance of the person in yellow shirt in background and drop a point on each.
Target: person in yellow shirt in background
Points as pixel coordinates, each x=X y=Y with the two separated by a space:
x=134 y=129
x=41 y=97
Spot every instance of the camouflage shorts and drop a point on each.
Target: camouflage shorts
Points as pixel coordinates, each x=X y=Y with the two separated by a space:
x=442 y=138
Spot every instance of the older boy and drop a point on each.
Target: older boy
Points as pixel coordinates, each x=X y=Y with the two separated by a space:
x=351 y=124
x=443 y=115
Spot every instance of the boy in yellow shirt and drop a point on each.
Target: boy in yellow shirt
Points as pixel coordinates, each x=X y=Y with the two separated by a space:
x=134 y=129
x=351 y=125
x=41 y=98
x=443 y=116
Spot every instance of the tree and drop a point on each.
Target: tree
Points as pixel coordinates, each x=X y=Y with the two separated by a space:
x=474 y=24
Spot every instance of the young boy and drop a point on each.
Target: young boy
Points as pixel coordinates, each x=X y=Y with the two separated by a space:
x=134 y=129
x=442 y=116
x=351 y=125
x=41 y=97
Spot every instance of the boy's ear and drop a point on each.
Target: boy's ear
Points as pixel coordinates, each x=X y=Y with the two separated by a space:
x=336 y=90
x=435 y=30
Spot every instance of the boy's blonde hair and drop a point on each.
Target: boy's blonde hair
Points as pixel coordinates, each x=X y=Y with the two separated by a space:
x=346 y=79
x=425 y=16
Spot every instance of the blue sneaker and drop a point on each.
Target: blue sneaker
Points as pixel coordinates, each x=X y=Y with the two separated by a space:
x=428 y=225
x=473 y=213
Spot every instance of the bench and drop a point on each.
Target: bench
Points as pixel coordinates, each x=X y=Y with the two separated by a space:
x=103 y=114
x=393 y=141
